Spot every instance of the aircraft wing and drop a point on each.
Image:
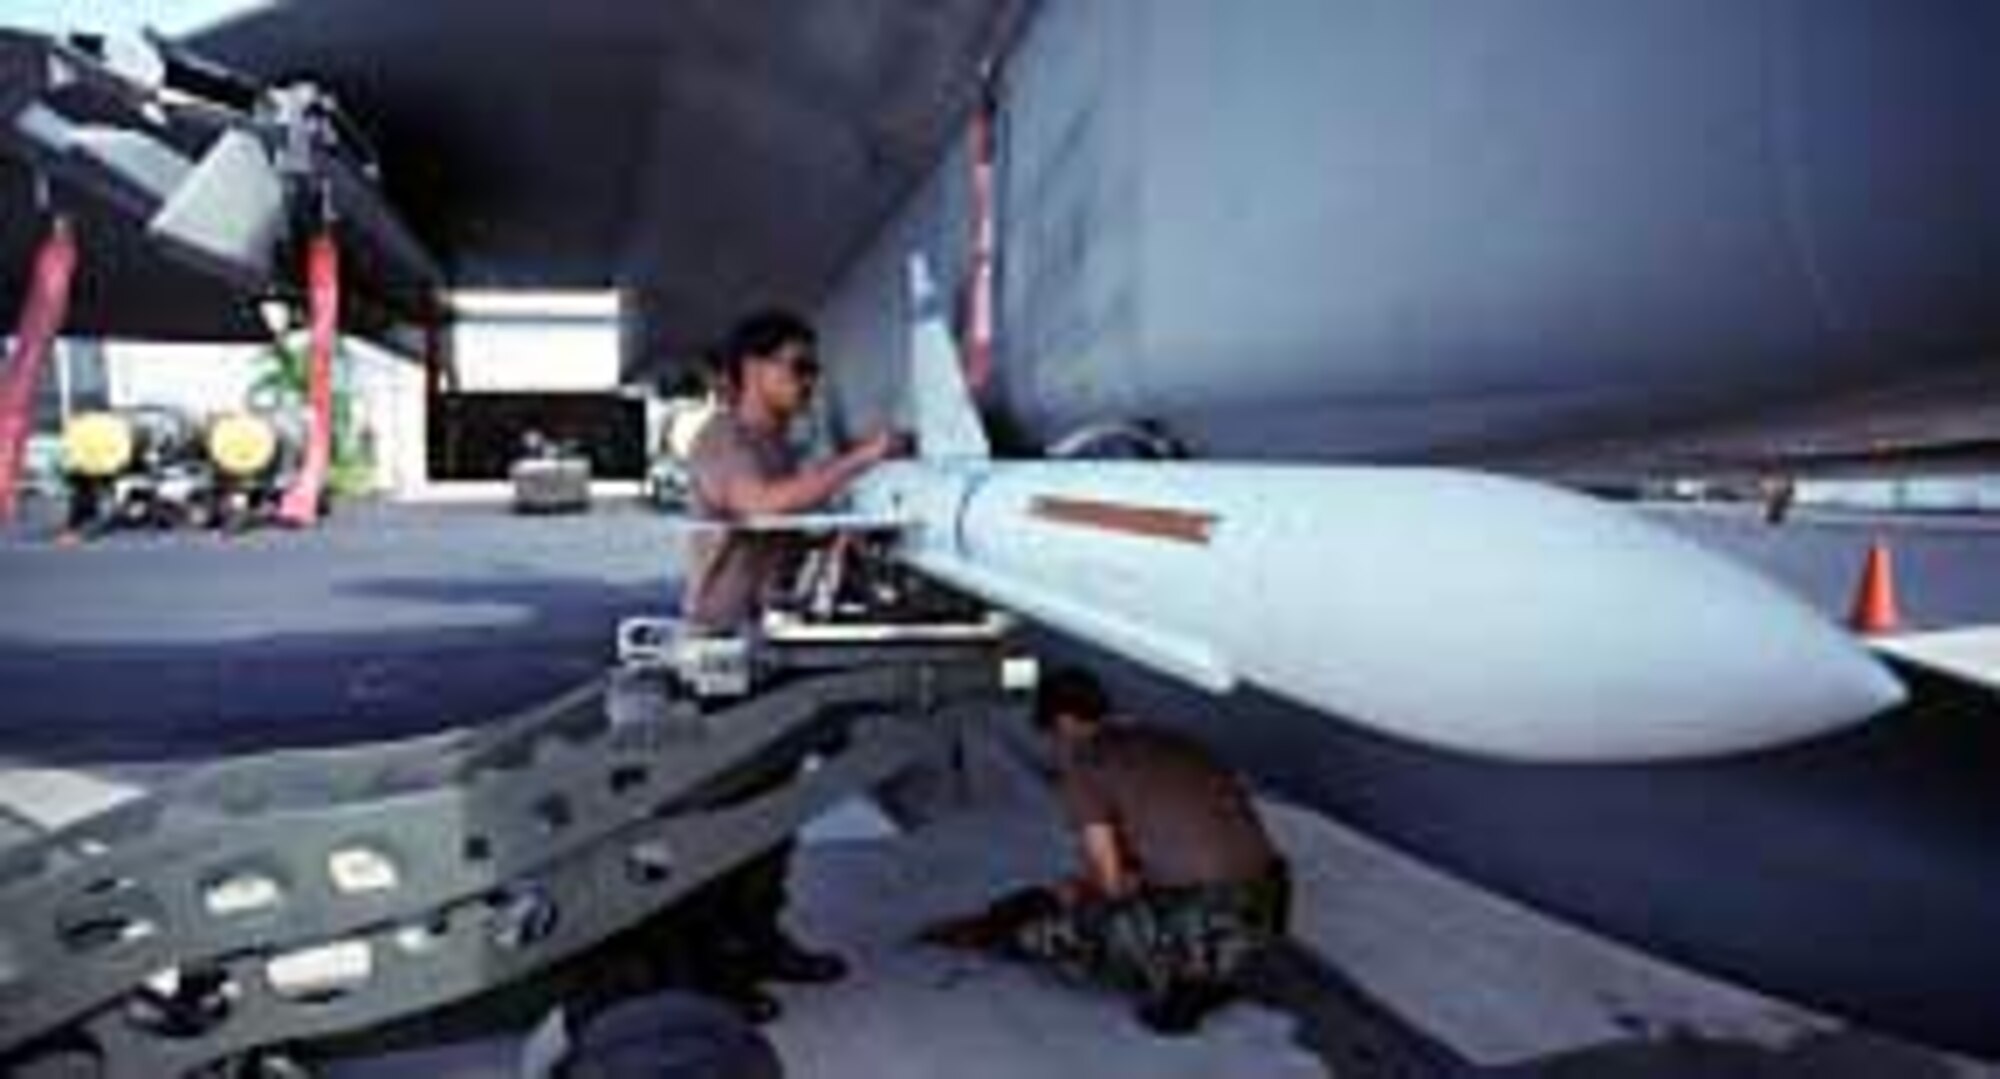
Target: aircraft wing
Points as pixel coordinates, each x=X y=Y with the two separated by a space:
x=1966 y=653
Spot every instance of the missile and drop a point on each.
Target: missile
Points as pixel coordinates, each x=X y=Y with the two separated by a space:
x=1473 y=612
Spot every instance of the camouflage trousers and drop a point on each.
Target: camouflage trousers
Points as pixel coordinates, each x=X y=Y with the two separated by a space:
x=1161 y=937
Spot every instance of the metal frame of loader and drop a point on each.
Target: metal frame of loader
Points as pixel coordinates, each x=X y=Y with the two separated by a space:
x=287 y=898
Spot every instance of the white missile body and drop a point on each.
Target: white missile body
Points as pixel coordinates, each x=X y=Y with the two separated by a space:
x=1452 y=608
x=1458 y=609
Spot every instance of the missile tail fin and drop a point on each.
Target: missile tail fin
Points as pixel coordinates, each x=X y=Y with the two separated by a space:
x=946 y=420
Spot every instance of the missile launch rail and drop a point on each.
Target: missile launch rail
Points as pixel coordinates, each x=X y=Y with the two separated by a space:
x=271 y=901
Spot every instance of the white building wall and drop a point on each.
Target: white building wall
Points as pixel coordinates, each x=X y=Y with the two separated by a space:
x=202 y=379
x=513 y=355
x=206 y=379
x=389 y=391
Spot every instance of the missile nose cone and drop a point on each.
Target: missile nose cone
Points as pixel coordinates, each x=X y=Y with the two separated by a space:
x=1727 y=664
x=1870 y=688
x=1567 y=630
x=1589 y=633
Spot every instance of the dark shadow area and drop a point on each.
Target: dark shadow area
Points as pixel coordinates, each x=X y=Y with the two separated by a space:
x=479 y=436
x=73 y=703
x=647 y=969
x=1854 y=874
x=1341 y=1025
x=1358 y=1038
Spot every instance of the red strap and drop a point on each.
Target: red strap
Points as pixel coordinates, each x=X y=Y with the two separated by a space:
x=42 y=314
x=301 y=502
x=979 y=335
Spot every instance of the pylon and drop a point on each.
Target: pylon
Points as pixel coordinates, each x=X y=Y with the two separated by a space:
x=1875 y=599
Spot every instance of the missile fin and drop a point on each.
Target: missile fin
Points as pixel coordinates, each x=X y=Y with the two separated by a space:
x=1188 y=659
x=947 y=422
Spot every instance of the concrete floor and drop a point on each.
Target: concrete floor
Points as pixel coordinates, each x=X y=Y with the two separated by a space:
x=397 y=620
x=389 y=621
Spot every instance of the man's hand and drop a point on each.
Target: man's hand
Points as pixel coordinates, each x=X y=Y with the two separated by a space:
x=813 y=486
x=881 y=445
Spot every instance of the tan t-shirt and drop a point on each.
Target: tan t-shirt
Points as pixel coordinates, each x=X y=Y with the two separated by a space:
x=729 y=571
x=1182 y=818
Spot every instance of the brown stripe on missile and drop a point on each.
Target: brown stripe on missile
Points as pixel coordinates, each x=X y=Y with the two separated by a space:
x=1152 y=522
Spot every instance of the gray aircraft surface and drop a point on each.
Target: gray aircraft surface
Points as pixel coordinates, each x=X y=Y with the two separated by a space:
x=1549 y=236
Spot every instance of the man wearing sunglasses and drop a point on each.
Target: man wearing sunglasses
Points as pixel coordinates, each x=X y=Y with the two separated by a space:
x=743 y=465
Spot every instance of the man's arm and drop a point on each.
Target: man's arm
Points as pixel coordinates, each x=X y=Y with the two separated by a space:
x=1106 y=871
x=747 y=495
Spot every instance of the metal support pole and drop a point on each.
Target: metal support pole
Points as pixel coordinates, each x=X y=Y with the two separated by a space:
x=302 y=500
x=979 y=315
x=42 y=314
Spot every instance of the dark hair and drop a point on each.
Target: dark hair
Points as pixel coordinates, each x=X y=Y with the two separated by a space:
x=712 y=373
x=1069 y=691
x=763 y=333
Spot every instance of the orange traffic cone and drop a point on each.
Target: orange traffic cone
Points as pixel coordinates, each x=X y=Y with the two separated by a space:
x=1875 y=601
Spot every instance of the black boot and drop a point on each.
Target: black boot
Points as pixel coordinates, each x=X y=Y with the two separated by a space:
x=782 y=959
x=1179 y=1010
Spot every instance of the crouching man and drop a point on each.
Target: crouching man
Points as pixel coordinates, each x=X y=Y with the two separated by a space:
x=1180 y=884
